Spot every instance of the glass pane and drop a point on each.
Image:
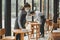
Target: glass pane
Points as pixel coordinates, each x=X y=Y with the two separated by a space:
x=37 y=5
x=3 y=5
x=20 y=4
x=13 y=14
x=45 y=8
x=51 y=9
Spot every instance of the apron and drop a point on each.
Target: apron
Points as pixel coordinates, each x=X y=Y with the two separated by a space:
x=22 y=20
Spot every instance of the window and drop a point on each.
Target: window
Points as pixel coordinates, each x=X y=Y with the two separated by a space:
x=13 y=14
x=13 y=11
x=45 y=9
x=51 y=9
x=37 y=5
x=3 y=8
x=20 y=4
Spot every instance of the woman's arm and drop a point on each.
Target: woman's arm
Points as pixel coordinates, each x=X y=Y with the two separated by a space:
x=19 y=18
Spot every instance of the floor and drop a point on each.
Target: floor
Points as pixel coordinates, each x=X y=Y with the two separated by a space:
x=26 y=37
x=44 y=38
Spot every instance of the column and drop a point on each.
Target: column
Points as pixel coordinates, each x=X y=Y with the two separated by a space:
x=56 y=10
x=32 y=9
x=8 y=17
x=40 y=5
x=24 y=1
x=48 y=11
x=0 y=13
x=16 y=8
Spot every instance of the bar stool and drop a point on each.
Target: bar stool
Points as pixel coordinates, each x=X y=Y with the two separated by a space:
x=36 y=26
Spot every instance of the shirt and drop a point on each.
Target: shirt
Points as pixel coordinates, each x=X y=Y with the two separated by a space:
x=38 y=16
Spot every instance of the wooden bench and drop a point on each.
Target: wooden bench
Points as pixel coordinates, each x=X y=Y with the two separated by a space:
x=21 y=32
x=55 y=35
x=2 y=32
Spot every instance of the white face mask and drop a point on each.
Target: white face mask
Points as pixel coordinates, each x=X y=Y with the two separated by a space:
x=26 y=9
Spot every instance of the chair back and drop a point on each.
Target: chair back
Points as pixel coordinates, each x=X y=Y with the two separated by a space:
x=2 y=32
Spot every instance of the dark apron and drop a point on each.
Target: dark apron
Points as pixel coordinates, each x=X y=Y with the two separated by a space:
x=42 y=26
x=23 y=21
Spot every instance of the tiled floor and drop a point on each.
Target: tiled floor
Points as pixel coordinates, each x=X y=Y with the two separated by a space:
x=44 y=38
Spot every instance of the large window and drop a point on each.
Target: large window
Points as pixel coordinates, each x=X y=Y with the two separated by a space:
x=13 y=14
x=37 y=5
x=47 y=7
x=51 y=9
x=3 y=8
x=20 y=4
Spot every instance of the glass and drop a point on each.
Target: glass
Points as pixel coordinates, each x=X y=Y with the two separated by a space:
x=45 y=8
x=20 y=4
x=3 y=5
x=51 y=9
x=13 y=14
x=37 y=5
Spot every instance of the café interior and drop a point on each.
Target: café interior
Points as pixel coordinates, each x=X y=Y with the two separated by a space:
x=9 y=11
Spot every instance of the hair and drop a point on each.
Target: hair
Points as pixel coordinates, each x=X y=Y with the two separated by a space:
x=32 y=12
x=27 y=5
x=43 y=16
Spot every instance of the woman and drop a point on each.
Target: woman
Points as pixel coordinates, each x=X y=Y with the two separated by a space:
x=22 y=18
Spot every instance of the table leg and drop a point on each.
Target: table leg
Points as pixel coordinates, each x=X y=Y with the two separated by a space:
x=22 y=36
x=15 y=36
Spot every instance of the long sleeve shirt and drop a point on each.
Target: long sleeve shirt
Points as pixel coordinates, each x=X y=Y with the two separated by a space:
x=19 y=18
x=38 y=16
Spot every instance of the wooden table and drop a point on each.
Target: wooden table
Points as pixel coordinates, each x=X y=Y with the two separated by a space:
x=56 y=35
x=21 y=32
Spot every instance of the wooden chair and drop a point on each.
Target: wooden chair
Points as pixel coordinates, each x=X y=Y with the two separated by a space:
x=36 y=26
x=55 y=26
x=2 y=32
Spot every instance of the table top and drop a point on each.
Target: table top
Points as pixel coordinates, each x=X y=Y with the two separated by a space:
x=32 y=21
x=35 y=23
x=56 y=31
x=21 y=30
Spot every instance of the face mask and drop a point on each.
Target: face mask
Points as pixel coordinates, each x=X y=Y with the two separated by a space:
x=27 y=9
